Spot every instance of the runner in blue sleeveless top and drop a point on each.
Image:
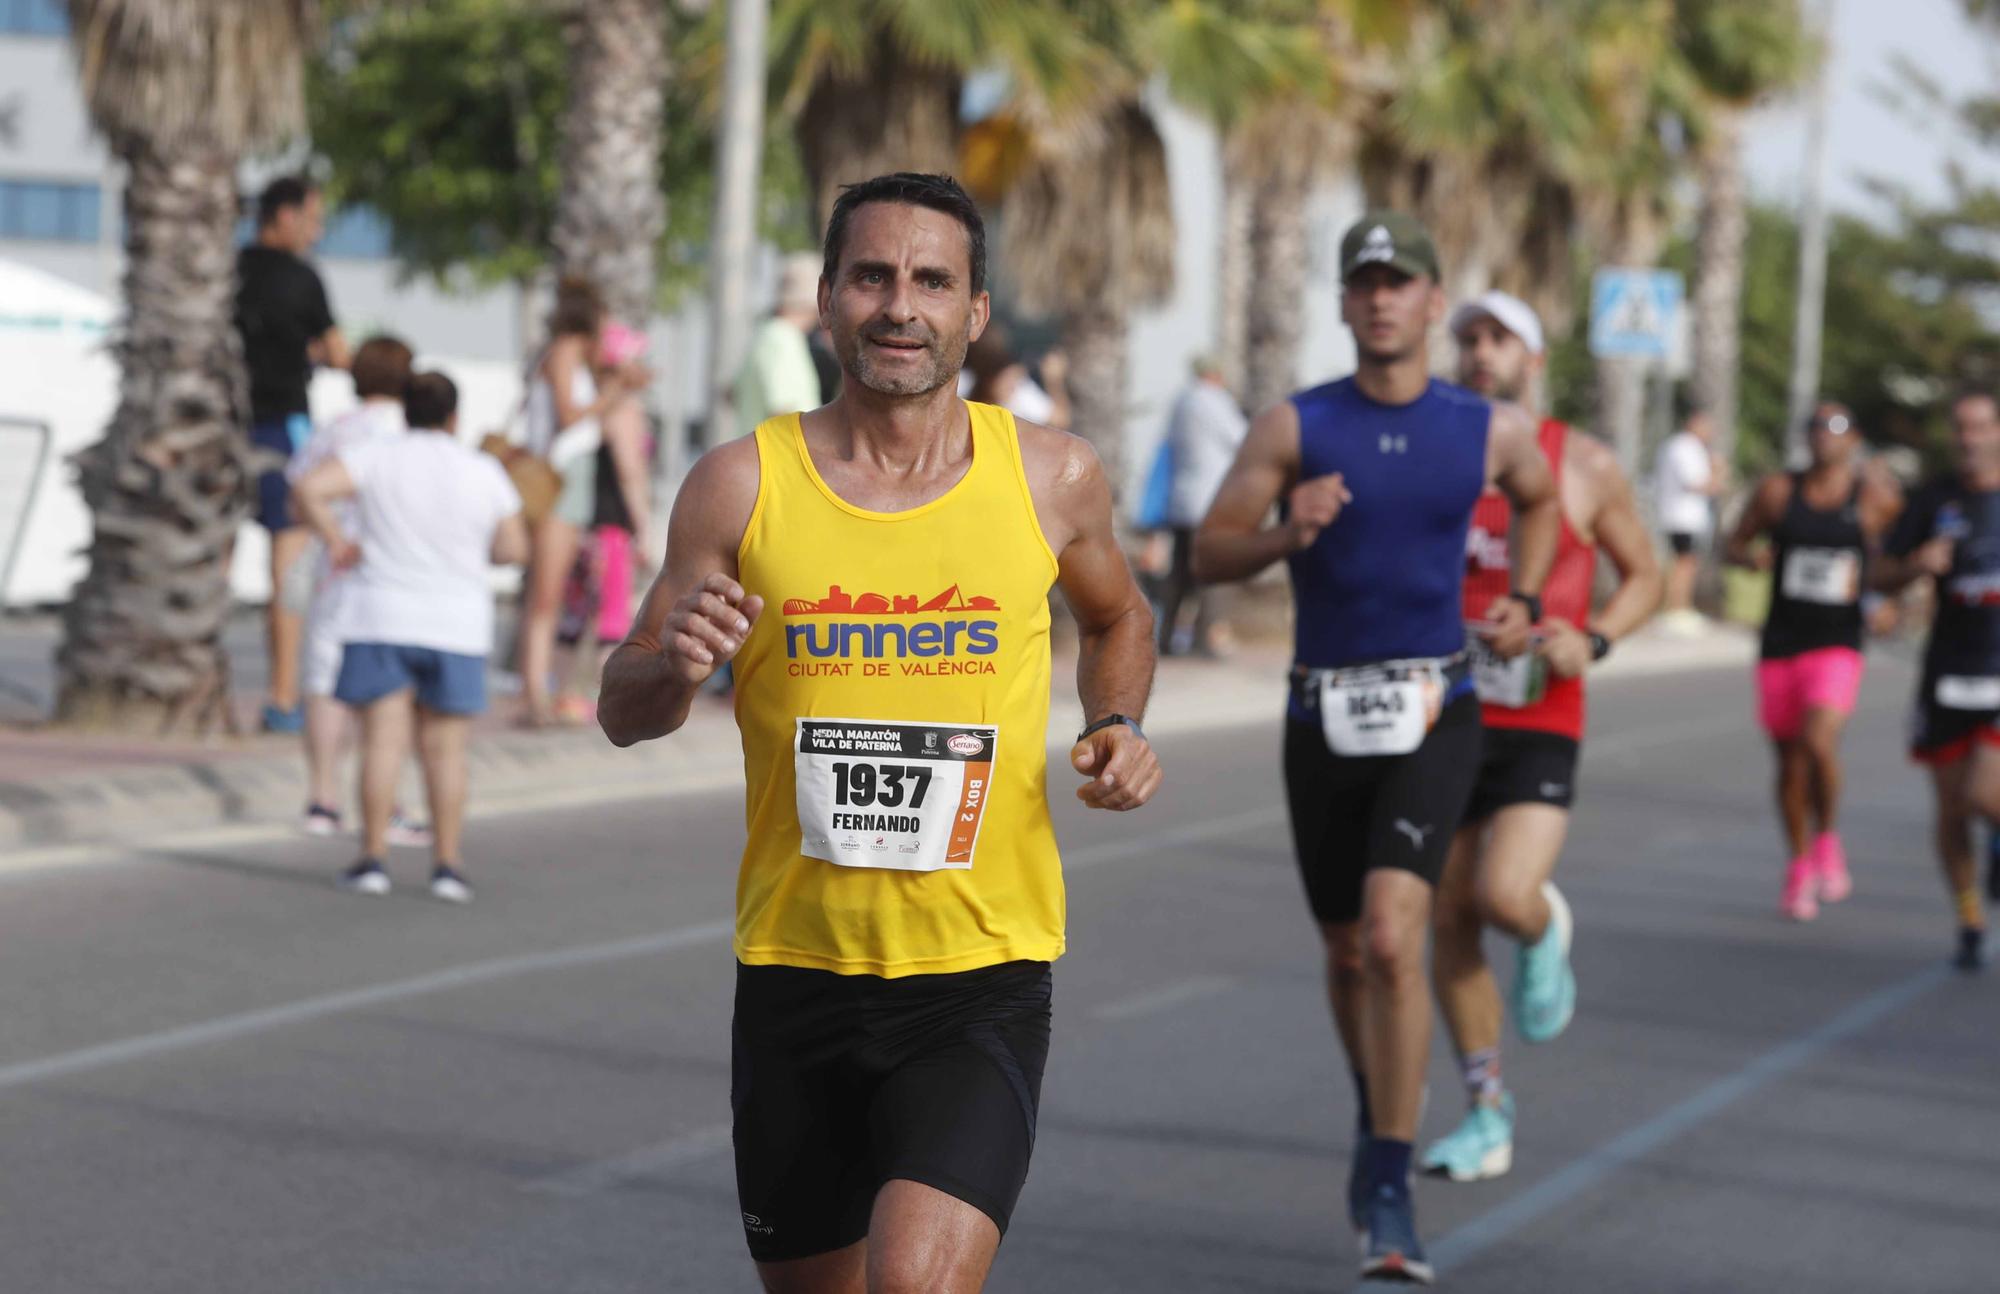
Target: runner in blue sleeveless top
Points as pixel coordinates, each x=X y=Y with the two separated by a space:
x=1377 y=476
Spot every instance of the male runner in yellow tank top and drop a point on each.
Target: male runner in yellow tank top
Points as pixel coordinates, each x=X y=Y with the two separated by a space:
x=878 y=570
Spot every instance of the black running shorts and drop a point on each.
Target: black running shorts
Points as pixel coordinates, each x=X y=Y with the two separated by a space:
x=841 y=1083
x=1522 y=766
x=1352 y=814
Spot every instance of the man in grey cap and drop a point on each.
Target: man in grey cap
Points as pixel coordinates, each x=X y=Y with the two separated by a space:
x=1378 y=476
x=1503 y=854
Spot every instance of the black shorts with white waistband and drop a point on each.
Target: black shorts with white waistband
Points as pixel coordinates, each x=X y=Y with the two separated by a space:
x=1354 y=813
x=841 y=1083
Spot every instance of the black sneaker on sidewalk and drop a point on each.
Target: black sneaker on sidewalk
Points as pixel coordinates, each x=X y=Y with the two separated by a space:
x=449 y=885
x=365 y=877
x=1971 y=949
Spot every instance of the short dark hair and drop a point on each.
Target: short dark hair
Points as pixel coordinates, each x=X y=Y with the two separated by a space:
x=285 y=191
x=912 y=189
x=1975 y=391
x=429 y=401
x=382 y=367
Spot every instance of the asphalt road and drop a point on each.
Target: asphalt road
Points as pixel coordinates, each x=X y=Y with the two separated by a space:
x=218 y=1074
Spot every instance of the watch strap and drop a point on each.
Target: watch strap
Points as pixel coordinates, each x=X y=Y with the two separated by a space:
x=1108 y=721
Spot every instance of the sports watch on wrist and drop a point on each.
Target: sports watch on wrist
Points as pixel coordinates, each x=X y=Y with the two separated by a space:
x=1110 y=719
x=1600 y=646
x=1532 y=601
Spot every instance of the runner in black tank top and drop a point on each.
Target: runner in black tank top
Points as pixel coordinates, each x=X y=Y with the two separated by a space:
x=1822 y=524
x=1951 y=534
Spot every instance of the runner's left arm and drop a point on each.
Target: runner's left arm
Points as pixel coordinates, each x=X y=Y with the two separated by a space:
x=1621 y=533
x=1114 y=666
x=1516 y=464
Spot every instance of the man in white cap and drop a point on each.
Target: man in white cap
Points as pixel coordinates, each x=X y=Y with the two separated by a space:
x=1497 y=872
x=778 y=375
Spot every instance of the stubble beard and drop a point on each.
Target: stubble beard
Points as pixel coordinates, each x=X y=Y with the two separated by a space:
x=946 y=356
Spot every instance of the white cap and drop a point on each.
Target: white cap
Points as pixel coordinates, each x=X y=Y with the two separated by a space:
x=1510 y=312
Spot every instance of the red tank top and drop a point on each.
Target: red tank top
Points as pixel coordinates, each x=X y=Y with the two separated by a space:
x=1488 y=576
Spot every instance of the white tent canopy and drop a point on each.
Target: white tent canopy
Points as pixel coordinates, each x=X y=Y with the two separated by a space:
x=59 y=385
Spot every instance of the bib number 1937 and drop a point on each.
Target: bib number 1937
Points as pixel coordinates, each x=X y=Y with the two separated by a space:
x=905 y=796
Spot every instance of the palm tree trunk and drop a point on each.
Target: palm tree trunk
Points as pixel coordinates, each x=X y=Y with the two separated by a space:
x=1718 y=290
x=1233 y=273
x=612 y=209
x=1276 y=325
x=899 y=117
x=171 y=481
x=1095 y=341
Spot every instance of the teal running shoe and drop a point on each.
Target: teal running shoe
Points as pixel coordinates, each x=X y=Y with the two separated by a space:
x=1480 y=1147
x=1544 y=984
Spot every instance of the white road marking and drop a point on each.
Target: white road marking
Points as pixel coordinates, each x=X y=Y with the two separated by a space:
x=1164 y=998
x=648 y=1161
x=229 y=1028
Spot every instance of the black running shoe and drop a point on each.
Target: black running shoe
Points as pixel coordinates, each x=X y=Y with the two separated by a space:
x=365 y=877
x=1393 y=1254
x=1971 y=950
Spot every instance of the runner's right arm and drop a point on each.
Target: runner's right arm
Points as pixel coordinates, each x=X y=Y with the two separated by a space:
x=1621 y=533
x=1233 y=543
x=1766 y=506
x=696 y=616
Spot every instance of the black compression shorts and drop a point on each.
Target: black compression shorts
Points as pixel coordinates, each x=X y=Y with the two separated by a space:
x=1354 y=813
x=1522 y=766
x=840 y=1083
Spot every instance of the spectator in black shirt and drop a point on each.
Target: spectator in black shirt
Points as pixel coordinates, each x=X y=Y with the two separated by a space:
x=287 y=327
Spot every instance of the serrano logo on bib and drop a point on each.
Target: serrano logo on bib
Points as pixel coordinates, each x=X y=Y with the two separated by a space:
x=842 y=628
x=966 y=744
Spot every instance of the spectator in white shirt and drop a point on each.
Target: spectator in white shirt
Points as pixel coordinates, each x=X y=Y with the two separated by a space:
x=417 y=617
x=381 y=372
x=1689 y=476
x=1204 y=431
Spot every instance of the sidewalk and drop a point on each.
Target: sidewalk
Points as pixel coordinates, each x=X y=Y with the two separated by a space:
x=58 y=789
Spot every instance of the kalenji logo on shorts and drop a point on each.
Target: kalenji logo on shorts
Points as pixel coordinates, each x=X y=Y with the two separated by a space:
x=878 y=627
x=964 y=743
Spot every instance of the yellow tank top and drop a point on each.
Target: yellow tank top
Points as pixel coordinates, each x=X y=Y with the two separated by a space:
x=894 y=702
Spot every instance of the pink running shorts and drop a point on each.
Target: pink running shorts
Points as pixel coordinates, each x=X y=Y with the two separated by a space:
x=1826 y=678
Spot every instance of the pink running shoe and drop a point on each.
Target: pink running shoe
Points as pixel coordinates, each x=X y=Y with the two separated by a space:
x=1799 y=901
x=1830 y=857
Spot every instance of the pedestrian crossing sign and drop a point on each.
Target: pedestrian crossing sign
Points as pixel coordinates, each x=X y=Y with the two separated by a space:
x=1634 y=313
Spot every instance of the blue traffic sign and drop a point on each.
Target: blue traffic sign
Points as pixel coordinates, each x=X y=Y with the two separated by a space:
x=1634 y=313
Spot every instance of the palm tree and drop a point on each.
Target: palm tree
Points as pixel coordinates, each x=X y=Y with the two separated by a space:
x=873 y=85
x=181 y=89
x=1739 y=51
x=612 y=210
x=1088 y=237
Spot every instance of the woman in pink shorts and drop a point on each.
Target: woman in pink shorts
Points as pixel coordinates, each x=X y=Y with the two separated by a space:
x=1822 y=524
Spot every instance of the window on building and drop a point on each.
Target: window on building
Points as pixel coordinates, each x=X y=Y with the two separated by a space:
x=33 y=18
x=356 y=233
x=55 y=213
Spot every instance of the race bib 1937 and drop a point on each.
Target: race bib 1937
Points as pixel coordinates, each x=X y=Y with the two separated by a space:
x=905 y=796
x=1380 y=709
x=1827 y=576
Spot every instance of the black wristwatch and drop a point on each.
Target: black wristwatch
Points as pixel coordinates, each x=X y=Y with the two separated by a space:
x=1600 y=646
x=1532 y=601
x=1110 y=719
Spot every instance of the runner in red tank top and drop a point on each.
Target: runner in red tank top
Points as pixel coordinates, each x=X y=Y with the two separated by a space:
x=1501 y=859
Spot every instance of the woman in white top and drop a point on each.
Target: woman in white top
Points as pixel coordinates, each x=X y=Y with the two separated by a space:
x=568 y=396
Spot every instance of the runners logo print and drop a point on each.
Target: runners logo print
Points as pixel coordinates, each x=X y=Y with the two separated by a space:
x=753 y=1223
x=1416 y=834
x=838 y=602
